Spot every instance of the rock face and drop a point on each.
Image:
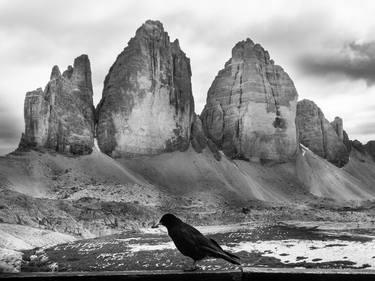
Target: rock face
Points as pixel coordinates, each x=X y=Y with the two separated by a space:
x=147 y=104
x=62 y=116
x=370 y=148
x=347 y=141
x=251 y=107
x=199 y=141
x=316 y=133
x=337 y=125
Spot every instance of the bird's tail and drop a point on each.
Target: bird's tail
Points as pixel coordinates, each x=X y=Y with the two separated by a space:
x=231 y=258
x=226 y=255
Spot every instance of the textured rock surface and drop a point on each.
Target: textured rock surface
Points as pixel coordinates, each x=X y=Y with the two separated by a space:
x=316 y=133
x=147 y=104
x=370 y=147
x=199 y=141
x=337 y=125
x=62 y=116
x=251 y=107
x=356 y=144
x=347 y=141
x=198 y=138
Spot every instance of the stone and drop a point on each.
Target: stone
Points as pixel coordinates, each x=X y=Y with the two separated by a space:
x=316 y=133
x=61 y=117
x=198 y=138
x=199 y=141
x=251 y=107
x=347 y=141
x=337 y=125
x=147 y=104
x=356 y=144
x=370 y=148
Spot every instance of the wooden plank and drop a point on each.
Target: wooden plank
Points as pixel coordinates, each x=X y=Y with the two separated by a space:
x=154 y=275
x=301 y=274
x=248 y=273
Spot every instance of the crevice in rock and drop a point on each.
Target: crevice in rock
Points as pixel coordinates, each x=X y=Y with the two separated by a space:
x=324 y=136
x=233 y=84
x=153 y=63
x=240 y=99
x=223 y=128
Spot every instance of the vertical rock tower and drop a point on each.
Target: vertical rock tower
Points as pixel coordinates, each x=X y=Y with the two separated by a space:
x=61 y=117
x=147 y=104
x=251 y=107
x=321 y=137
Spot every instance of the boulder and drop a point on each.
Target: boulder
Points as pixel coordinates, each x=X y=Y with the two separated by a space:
x=316 y=133
x=61 y=117
x=251 y=107
x=147 y=104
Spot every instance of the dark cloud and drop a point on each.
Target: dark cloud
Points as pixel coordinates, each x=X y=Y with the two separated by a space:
x=354 y=61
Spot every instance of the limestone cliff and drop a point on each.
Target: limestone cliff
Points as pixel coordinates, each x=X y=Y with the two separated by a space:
x=61 y=117
x=251 y=107
x=147 y=103
x=199 y=140
x=323 y=138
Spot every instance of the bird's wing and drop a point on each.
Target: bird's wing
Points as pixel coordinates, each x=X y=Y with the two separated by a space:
x=205 y=245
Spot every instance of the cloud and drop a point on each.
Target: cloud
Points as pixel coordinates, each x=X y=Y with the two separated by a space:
x=10 y=130
x=366 y=128
x=39 y=34
x=354 y=61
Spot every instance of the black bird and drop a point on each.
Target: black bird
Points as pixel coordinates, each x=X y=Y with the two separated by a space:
x=190 y=242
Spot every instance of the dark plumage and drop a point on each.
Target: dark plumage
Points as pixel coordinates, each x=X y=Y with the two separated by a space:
x=190 y=242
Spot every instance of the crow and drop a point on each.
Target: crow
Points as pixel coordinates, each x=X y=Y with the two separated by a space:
x=190 y=242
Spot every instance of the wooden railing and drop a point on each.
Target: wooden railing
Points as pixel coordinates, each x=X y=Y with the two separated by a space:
x=247 y=274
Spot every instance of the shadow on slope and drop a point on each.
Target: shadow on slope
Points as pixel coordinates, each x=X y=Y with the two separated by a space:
x=323 y=179
x=185 y=173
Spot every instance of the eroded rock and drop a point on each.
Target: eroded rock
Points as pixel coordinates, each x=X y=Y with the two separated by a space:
x=251 y=107
x=61 y=117
x=147 y=104
x=199 y=141
x=316 y=133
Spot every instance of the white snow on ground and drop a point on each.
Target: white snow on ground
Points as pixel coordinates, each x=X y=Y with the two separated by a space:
x=205 y=229
x=288 y=250
x=149 y=247
x=358 y=252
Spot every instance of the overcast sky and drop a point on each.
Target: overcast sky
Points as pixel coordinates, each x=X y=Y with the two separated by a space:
x=327 y=47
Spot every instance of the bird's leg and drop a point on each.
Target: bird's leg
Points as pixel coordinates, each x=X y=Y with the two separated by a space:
x=193 y=267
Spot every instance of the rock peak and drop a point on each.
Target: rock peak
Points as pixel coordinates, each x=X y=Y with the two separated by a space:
x=55 y=73
x=251 y=105
x=247 y=49
x=323 y=138
x=151 y=28
x=153 y=24
x=81 y=60
x=61 y=117
x=150 y=80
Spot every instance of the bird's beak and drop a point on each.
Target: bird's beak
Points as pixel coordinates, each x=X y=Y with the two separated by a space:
x=156 y=225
